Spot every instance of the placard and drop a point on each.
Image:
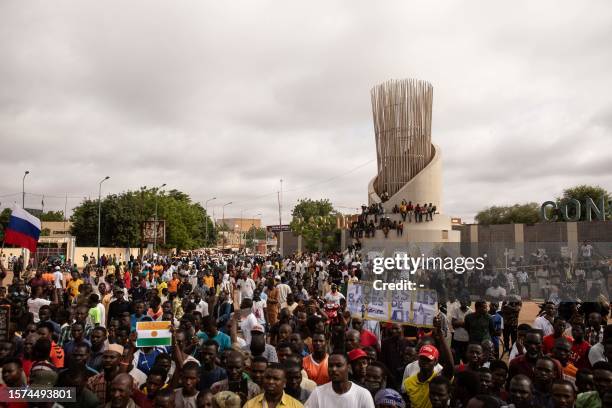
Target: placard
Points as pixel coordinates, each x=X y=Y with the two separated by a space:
x=415 y=308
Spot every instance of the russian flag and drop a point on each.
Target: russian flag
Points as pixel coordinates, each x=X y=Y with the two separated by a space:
x=23 y=229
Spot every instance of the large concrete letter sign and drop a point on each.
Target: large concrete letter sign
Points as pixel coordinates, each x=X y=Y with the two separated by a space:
x=543 y=214
x=600 y=213
x=565 y=210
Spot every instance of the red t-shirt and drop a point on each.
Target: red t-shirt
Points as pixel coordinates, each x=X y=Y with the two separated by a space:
x=579 y=355
x=548 y=343
x=127 y=279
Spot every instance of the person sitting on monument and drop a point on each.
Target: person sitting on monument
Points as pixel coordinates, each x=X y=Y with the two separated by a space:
x=430 y=212
x=424 y=212
x=409 y=211
x=418 y=216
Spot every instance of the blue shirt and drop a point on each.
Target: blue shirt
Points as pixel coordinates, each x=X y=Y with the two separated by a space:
x=223 y=340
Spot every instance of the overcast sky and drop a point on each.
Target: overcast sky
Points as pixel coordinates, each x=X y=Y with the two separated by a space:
x=223 y=99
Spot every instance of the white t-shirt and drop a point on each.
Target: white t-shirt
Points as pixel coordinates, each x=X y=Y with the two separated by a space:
x=258 y=311
x=496 y=293
x=283 y=291
x=58 y=277
x=247 y=286
x=34 y=306
x=460 y=334
x=202 y=307
x=181 y=401
x=246 y=325
x=334 y=298
x=138 y=376
x=102 y=310
x=586 y=250
x=543 y=324
x=324 y=396
x=597 y=353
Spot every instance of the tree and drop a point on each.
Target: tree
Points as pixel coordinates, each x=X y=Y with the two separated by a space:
x=52 y=216
x=581 y=193
x=5 y=216
x=316 y=222
x=528 y=213
x=122 y=216
x=258 y=233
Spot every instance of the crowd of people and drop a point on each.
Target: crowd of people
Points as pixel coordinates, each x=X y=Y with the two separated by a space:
x=272 y=331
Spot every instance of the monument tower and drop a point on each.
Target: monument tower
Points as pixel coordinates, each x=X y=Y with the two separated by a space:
x=409 y=165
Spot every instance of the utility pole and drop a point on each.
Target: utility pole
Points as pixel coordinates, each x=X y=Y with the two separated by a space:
x=223 y=218
x=280 y=222
x=206 y=219
x=23 y=189
x=155 y=229
x=99 y=212
x=65 y=210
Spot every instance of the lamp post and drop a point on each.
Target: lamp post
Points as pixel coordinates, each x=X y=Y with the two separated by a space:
x=23 y=189
x=252 y=226
x=155 y=224
x=241 y=221
x=99 y=212
x=205 y=220
x=223 y=218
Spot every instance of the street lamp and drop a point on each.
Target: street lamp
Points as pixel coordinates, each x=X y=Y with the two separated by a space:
x=99 y=212
x=241 y=221
x=252 y=226
x=205 y=220
x=23 y=189
x=223 y=218
x=155 y=229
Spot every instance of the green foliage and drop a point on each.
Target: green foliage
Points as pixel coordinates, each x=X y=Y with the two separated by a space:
x=316 y=222
x=122 y=216
x=5 y=215
x=510 y=214
x=529 y=213
x=258 y=233
x=581 y=193
x=52 y=216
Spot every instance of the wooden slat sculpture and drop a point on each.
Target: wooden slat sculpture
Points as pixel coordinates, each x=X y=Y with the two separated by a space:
x=402 y=125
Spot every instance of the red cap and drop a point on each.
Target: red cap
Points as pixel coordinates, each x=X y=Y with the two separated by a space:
x=430 y=352
x=356 y=354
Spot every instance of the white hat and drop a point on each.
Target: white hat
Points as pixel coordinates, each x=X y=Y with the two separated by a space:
x=57 y=268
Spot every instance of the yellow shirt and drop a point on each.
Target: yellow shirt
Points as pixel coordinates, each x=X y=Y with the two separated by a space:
x=73 y=287
x=286 y=401
x=161 y=286
x=418 y=391
x=209 y=281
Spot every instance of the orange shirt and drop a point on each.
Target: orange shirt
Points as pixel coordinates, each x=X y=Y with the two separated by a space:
x=173 y=285
x=569 y=372
x=47 y=277
x=57 y=355
x=317 y=372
